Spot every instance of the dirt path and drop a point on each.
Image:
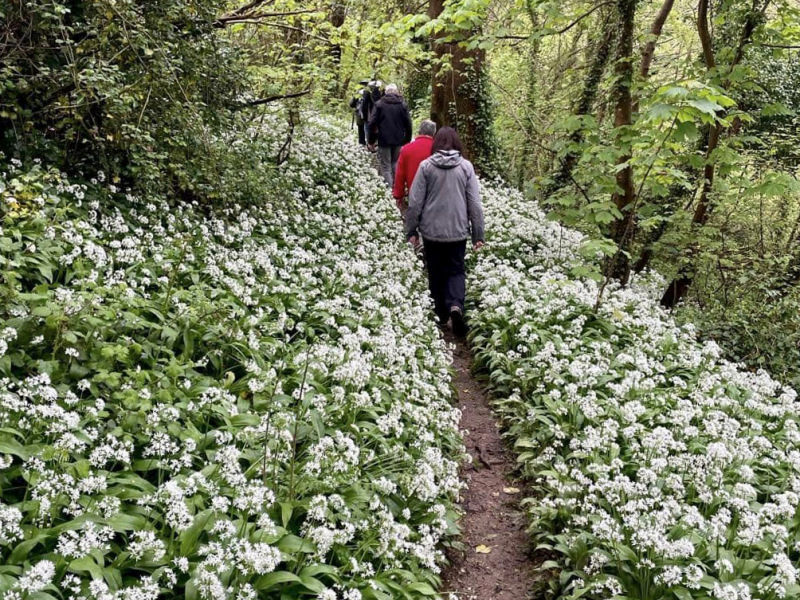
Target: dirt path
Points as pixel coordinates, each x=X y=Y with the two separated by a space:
x=492 y=518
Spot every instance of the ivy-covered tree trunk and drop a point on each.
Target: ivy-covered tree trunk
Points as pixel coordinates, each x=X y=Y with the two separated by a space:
x=625 y=196
x=527 y=164
x=418 y=85
x=337 y=15
x=460 y=96
x=585 y=104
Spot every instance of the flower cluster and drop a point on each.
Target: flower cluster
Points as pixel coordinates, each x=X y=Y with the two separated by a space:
x=220 y=402
x=657 y=469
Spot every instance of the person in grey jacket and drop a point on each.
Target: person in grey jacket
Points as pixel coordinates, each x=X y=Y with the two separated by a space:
x=444 y=208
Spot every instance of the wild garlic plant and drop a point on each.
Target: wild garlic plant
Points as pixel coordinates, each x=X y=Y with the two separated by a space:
x=658 y=470
x=220 y=402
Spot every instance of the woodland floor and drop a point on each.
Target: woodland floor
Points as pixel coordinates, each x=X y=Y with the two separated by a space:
x=492 y=519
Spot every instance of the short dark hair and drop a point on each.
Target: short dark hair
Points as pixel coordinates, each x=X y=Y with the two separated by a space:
x=446 y=139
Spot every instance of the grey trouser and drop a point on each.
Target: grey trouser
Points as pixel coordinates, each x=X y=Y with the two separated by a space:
x=387 y=161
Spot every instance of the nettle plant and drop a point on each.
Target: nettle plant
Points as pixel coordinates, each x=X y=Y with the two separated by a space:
x=239 y=403
x=658 y=470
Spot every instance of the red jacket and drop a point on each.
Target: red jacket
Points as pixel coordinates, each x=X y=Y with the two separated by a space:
x=411 y=155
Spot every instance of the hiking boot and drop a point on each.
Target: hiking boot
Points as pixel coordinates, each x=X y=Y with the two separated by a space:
x=457 y=319
x=441 y=320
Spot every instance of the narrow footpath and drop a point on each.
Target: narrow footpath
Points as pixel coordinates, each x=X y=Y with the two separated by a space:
x=496 y=561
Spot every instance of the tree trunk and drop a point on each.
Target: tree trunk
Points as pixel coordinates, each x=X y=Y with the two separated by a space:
x=460 y=96
x=678 y=288
x=655 y=32
x=625 y=196
x=338 y=13
x=585 y=104
x=650 y=48
x=526 y=163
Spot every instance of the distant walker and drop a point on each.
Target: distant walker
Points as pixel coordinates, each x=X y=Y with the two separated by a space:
x=391 y=127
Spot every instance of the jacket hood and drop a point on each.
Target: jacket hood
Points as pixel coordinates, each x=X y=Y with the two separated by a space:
x=446 y=159
x=392 y=98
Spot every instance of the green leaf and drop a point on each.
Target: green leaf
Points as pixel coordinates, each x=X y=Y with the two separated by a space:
x=122 y=522
x=313 y=584
x=293 y=544
x=190 y=537
x=9 y=446
x=286 y=513
x=423 y=588
x=661 y=112
x=86 y=564
x=682 y=593
x=271 y=580
x=705 y=106
x=22 y=550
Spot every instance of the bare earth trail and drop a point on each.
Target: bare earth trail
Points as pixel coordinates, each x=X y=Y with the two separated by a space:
x=492 y=517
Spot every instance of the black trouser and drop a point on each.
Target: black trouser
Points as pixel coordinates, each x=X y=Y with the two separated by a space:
x=362 y=132
x=447 y=275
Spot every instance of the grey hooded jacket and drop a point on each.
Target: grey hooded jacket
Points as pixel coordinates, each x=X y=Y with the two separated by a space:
x=445 y=200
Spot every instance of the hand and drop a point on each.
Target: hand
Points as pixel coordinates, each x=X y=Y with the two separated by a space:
x=414 y=241
x=478 y=245
x=371 y=147
x=399 y=202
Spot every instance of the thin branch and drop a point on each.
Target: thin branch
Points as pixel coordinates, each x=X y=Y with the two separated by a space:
x=250 y=6
x=582 y=17
x=275 y=98
x=750 y=24
x=559 y=31
x=780 y=46
x=252 y=17
x=412 y=64
x=288 y=28
x=655 y=33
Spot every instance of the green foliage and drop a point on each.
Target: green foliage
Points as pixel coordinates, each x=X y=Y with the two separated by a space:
x=133 y=88
x=656 y=468
x=741 y=257
x=195 y=399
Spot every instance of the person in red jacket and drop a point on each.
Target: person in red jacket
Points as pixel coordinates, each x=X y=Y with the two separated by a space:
x=411 y=156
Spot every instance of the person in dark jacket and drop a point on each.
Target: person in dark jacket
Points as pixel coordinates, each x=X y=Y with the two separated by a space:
x=391 y=127
x=444 y=207
x=369 y=98
x=357 y=105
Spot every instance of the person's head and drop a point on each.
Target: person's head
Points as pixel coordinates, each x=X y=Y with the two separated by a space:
x=427 y=127
x=446 y=139
x=392 y=89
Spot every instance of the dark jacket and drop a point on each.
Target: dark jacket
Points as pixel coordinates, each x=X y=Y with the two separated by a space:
x=444 y=204
x=370 y=97
x=356 y=104
x=390 y=124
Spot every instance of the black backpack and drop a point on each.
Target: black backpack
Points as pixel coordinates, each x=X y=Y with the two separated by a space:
x=360 y=109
